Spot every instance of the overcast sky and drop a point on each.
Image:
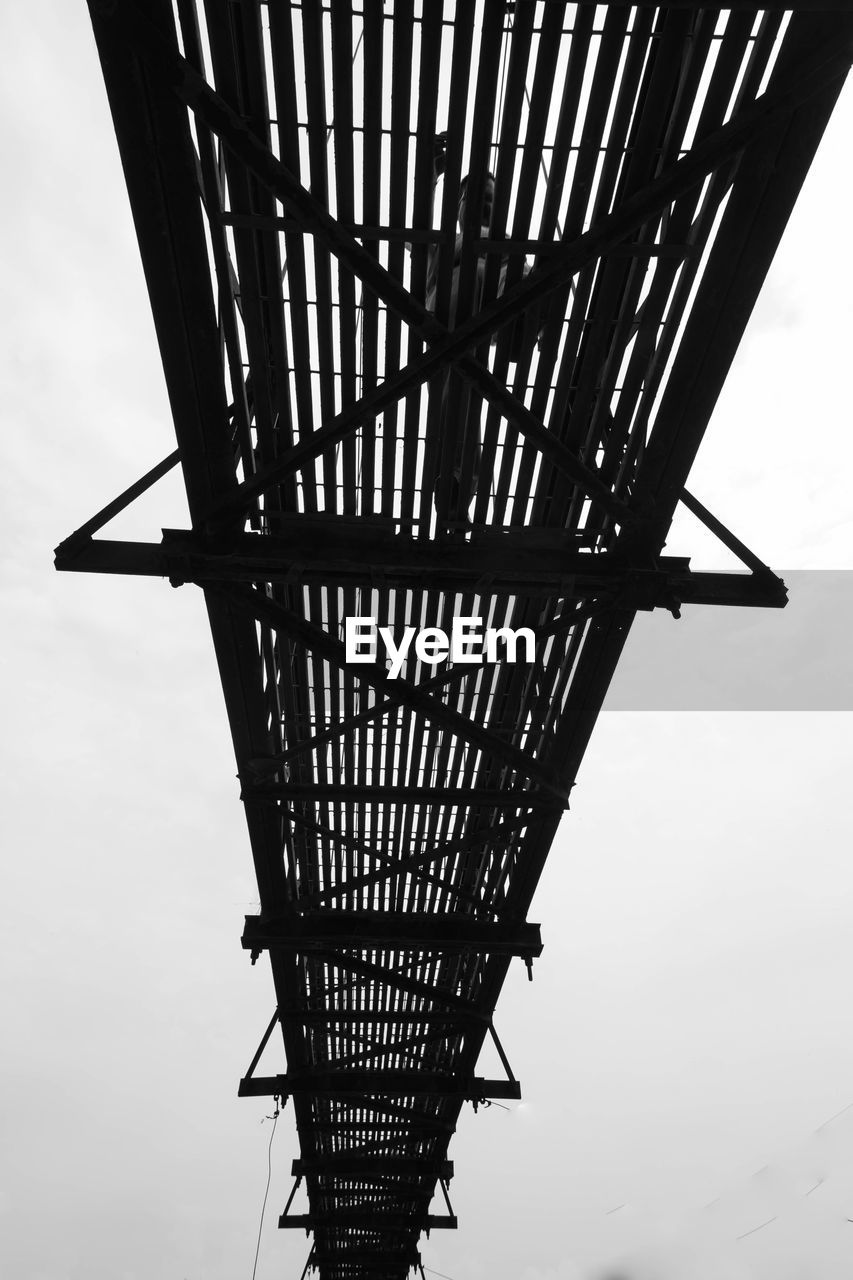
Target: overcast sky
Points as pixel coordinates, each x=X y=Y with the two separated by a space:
x=688 y=1030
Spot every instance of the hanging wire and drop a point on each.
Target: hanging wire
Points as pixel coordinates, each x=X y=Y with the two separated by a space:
x=274 y=1119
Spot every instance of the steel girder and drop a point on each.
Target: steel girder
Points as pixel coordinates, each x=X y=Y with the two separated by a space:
x=587 y=446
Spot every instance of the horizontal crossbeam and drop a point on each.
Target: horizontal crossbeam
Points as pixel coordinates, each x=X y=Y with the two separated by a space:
x=361 y=1166
x=328 y=552
x=341 y=793
x=405 y=1084
x=369 y=1218
x=435 y=235
x=373 y=1259
x=382 y=1196
x=372 y=1017
x=392 y=1128
x=397 y=931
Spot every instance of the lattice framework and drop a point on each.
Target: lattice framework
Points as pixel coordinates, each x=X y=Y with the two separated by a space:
x=346 y=453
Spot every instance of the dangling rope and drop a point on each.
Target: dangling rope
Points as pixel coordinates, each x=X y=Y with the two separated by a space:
x=274 y=1119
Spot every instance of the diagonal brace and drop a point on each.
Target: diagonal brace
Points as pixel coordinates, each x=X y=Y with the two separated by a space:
x=264 y=1042
x=315 y=638
x=79 y=539
x=411 y=865
x=728 y=539
x=389 y=863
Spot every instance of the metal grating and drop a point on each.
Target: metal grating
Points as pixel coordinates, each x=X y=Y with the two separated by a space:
x=383 y=412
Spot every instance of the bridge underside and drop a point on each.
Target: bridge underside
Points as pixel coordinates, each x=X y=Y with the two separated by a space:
x=513 y=452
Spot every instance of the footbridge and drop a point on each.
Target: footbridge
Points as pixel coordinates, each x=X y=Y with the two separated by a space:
x=445 y=295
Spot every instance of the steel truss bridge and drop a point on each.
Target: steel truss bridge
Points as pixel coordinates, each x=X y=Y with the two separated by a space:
x=513 y=451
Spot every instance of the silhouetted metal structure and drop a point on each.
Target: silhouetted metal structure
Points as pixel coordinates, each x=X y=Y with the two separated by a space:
x=294 y=173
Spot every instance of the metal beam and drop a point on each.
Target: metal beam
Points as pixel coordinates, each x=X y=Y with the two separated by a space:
x=749 y=232
x=435 y=236
x=340 y=793
x=263 y=1044
x=336 y=553
x=382 y=1195
x=159 y=162
x=371 y=1017
x=370 y=1218
x=728 y=539
x=352 y=1164
x=392 y=1131
x=416 y=931
x=404 y=1084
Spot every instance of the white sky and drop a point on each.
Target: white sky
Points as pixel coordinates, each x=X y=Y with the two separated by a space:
x=689 y=1020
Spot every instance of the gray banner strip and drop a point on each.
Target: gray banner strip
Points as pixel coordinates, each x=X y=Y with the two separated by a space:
x=799 y=658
